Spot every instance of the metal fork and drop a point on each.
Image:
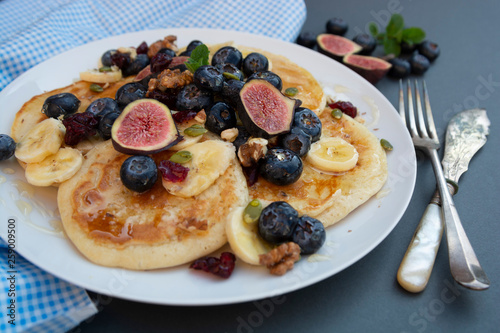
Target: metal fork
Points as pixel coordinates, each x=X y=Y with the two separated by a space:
x=464 y=266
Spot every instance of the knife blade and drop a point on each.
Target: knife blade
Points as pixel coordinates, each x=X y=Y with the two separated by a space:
x=465 y=135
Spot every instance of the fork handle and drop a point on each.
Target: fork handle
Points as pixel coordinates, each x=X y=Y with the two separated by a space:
x=464 y=266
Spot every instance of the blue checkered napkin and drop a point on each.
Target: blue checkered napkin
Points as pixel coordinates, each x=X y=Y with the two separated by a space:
x=43 y=303
x=33 y=30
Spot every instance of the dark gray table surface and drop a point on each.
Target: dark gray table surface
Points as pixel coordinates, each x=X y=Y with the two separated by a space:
x=366 y=296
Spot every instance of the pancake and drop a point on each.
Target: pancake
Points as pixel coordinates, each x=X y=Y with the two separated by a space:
x=113 y=226
x=329 y=197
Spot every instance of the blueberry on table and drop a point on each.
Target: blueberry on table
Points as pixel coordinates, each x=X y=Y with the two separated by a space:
x=336 y=26
x=307 y=39
x=309 y=122
x=309 y=234
x=130 y=92
x=220 y=117
x=419 y=64
x=7 y=147
x=296 y=140
x=139 y=173
x=401 y=68
x=60 y=105
x=277 y=222
x=208 y=78
x=281 y=166
x=429 y=50
x=102 y=106
x=227 y=54
x=193 y=98
x=254 y=62
x=269 y=76
x=367 y=42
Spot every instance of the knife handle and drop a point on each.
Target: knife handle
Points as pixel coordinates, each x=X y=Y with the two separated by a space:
x=417 y=263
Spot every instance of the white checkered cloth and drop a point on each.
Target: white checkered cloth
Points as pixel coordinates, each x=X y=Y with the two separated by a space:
x=32 y=31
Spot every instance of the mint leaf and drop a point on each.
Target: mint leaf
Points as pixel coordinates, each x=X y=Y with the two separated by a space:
x=413 y=35
x=395 y=26
x=373 y=28
x=392 y=46
x=199 y=57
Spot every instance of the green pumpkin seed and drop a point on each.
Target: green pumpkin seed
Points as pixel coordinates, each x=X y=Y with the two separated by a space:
x=228 y=76
x=96 y=88
x=385 y=144
x=181 y=157
x=195 y=130
x=292 y=91
x=252 y=211
x=337 y=113
x=105 y=69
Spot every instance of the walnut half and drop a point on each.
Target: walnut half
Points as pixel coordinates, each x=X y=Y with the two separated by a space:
x=281 y=259
x=252 y=151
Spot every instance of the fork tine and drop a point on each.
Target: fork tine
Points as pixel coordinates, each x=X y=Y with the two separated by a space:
x=428 y=111
x=402 y=112
x=420 y=113
x=411 y=112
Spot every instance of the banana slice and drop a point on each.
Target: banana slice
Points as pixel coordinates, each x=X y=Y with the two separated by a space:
x=101 y=77
x=41 y=141
x=55 y=168
x=244 y=239
x=210 y=159
x=333 y=154
x=186 y=139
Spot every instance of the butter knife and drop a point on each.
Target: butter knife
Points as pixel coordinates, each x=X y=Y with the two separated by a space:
x=465 y=135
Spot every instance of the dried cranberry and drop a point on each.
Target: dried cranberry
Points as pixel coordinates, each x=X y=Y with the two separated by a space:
x=142 y=49
x=252 y=174
x=345 y=107
x=222 y=267
x=167 y=97
x=160 y=62
x=173 y=172
x=183 y=116
x=121 y=60
x=79 y=126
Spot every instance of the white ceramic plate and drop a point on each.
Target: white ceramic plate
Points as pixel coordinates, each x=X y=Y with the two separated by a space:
x=35 y=211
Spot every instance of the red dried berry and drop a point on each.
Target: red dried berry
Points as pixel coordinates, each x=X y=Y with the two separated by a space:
x=222 y=266
x=79 y=126
x=252 y=174
x=142 y=49
x=173 y=172
x=160 y=62
x=182 y=116
x=345 y=107
x=121 y=60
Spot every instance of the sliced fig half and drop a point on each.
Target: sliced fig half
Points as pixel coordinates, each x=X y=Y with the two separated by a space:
x=371 y=68
x=144 y=127
x=264 y=110
x=336 y=47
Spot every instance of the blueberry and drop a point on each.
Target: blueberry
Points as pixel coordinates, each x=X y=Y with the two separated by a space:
x=106 y=58
x=106 y=123
x=167 y=51
x=191 y=46
x=336 y=26
x=309 y=122
x=309 y=234
x=419 y=64
x=296 y=140
x=407 y=48
x=307 y=39
x=101 y=106
x=7 y=147
x=193 y=98
x=367 y=42
x=138 y=64
x=277 y=222
x=280 y=166
x=254 y=62
x=429 y=50
x=400 y=68
x=231 y=69
x=220 y=117
x=227 y=54
x=269 y=76
x=130 y=92
x=231 y=91
x=60 y=105
x=208 y=78
x=139 y=173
